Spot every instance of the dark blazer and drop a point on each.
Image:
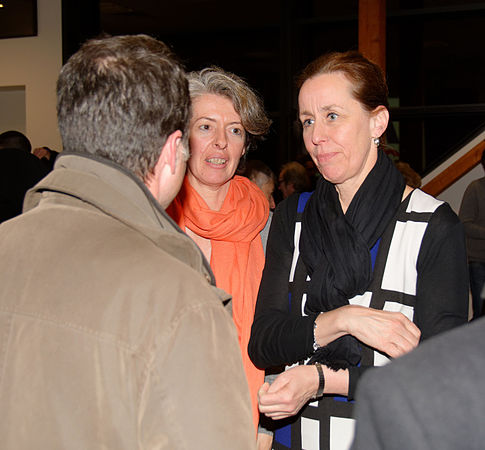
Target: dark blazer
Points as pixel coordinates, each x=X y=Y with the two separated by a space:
x=432 y=398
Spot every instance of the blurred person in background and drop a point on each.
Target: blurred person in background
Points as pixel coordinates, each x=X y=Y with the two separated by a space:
x=293 y=177
x=19 y=171
x=472 y=214
x=262 y=175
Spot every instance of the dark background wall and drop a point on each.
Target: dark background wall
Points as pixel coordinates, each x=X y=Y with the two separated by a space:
x=435 y=58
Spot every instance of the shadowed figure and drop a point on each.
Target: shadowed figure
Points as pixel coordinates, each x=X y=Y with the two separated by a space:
x=19 y=171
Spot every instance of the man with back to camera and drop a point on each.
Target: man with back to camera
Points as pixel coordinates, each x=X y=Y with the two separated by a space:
x=112 y=332
x=428 y=399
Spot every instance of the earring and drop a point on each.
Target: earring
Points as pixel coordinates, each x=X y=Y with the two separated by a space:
x=377 y=141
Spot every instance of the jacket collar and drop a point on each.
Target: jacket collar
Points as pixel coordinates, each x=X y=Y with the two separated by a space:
x=118 y=193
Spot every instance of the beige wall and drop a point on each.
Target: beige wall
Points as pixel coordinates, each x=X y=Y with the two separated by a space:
x=34 y=62
x=12 y=108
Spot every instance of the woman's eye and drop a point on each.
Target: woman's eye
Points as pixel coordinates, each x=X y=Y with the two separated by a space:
x=204 y=127
x=236 y=131
x=332 y=116
x=307 y=122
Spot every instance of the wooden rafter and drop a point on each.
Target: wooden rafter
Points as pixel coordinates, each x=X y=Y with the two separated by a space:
x=372 y=31
x=454 y=172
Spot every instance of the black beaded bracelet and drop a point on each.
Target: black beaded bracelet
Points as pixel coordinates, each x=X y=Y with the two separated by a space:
x=321 y=380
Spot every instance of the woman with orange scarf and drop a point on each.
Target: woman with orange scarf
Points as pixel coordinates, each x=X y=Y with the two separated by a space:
x=223 y=213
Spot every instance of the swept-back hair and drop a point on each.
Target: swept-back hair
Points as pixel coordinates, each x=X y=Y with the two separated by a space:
x=369 y=85
x=249 y=106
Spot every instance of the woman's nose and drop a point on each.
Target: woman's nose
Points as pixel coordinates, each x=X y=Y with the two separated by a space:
x=220 y=139
x=319 y=132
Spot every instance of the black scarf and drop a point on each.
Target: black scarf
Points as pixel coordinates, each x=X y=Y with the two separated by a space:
x=335 y=247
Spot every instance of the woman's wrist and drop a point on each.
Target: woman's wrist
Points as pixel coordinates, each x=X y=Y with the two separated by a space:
x=329 y=326
x=343 y=318
x=316 y=346
x=336 y=382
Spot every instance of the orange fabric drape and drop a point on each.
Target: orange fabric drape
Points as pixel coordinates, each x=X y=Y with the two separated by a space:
x=237 y=257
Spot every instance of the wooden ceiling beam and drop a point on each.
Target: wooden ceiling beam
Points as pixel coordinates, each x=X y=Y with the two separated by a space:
x=372 y=31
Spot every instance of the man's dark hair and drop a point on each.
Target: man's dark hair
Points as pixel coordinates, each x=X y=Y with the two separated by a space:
x=120 y=98
x=15 y=139
x=295 y=173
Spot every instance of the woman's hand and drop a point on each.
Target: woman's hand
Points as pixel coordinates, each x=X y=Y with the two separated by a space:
x=293 y=388
x=389 y=332
x=289 y=392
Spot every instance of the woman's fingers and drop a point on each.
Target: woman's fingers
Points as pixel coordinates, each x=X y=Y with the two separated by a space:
x=389 y=332
x=289 y=392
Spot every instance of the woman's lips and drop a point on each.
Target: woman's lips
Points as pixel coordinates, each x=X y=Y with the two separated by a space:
x=326 y=157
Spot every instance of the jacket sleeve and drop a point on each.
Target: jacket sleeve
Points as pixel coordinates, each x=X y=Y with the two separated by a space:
x=276 y=337
x=442 y=287
x=469 y=212
x=196 y=394
x=386 y=418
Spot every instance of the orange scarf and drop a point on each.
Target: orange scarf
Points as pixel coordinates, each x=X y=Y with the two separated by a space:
x=237 y=257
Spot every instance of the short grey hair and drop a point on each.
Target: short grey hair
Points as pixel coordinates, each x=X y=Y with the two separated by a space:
x=249 y=106
x=120 y=98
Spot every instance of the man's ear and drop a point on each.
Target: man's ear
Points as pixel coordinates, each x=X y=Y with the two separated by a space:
x=167 y=161
x=168 y=156
x=379 y=121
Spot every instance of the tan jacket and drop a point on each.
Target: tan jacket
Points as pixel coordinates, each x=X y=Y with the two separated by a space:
x=111 y=333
